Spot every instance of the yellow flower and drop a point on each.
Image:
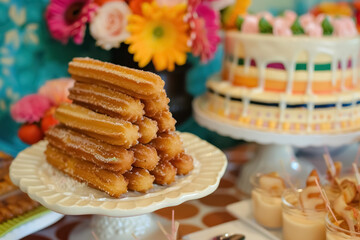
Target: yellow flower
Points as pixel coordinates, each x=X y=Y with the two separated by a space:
x=160 y=34
x=240 y=7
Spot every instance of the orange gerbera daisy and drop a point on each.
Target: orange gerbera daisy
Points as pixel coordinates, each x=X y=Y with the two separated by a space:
x=160 y=34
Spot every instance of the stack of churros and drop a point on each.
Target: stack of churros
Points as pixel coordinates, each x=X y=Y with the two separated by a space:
x=118 y=133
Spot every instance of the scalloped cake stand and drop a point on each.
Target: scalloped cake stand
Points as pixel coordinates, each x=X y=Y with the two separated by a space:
x=276 y=146
x=128 y=215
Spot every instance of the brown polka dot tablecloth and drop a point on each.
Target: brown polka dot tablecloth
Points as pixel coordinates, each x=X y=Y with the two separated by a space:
x=193 y=215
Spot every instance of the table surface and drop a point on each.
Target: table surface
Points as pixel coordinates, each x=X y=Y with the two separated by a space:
x=193 y=215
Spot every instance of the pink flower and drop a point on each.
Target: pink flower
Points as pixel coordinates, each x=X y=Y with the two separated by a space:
x=267 y=15
x=281 y=27
x=57 y=90
x=109 y=25
x=30 y=108
x=344 y=27
x=320 y=18
x=68 y=18
x=313 y=29
x=306 y=19
x=290 y=17
x=205 y=24
x=250 y=24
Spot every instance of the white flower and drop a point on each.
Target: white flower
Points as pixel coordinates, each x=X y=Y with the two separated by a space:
x=108 y=27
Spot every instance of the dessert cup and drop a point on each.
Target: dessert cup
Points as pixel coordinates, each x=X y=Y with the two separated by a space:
x=266 y=207
x=334 y=232
x=299 y=223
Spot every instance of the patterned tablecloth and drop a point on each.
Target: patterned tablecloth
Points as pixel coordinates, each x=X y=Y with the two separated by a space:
x=193 y=215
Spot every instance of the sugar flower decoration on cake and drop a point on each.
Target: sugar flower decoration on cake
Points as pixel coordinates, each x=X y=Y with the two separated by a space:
x=204 y=27
x=345 y=27
x=290 y=24
x=67 y=19
x=109 y=25
x=57 y=90
x=160 y=35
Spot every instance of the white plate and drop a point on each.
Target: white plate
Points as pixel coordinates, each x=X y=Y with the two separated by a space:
x=243 y=211
x=60 y=193
x=33 y=226
x=230 y=227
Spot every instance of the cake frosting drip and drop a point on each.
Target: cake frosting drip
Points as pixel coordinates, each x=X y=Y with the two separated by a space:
x=268 y=49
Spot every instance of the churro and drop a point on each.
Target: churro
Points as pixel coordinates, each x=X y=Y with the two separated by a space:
x=148 y=129
x=104 y=155
x=145 y=156
x=156 y=105
x=168 y=145
x=164 y=173
x=136 y=83
x=111 y=130
x=183 y=163
x=110 y=182
x=166 y=122
x=139 y=179
x=16 y=205
x=107 y=101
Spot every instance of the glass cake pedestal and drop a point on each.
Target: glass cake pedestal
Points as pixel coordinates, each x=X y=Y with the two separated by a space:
x=275 y=151
x=129 y=215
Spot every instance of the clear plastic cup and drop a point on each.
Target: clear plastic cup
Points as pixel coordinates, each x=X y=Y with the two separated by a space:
x=266 y=207
x=299 y=223
x=334 y=232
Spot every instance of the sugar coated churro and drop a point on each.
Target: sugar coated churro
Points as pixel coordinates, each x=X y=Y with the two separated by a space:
x=168 y=145
x=156 y=105
x=136 y=83
x=110 y=182
x=118 y=132
x=112 y=130
x=183 y=163
x=148 y=129
x=104 y=155
x=107 y=101
x=145 y=156
x=166 y=122
x=164 y=173
x=139 y=179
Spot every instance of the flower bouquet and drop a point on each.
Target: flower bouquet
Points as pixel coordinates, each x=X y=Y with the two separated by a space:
x=157 y=31
x=36 y=111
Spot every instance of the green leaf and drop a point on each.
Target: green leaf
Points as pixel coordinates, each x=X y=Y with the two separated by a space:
x=239 y=22
x=265 y=26
x=296 y=28
x=328 y=29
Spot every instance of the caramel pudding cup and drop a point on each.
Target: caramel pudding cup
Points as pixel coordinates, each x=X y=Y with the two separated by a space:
x=334 y=232
x=299 y=223
x=266 y=207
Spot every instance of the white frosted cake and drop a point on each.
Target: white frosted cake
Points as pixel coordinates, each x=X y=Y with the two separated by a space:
x=279 y=81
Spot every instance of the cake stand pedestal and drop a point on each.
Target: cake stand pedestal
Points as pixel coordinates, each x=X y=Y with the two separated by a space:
x=275 y=152
x=123 y=217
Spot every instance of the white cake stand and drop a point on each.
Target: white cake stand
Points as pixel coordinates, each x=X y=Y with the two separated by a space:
x=275 y=152
x=128 y=215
